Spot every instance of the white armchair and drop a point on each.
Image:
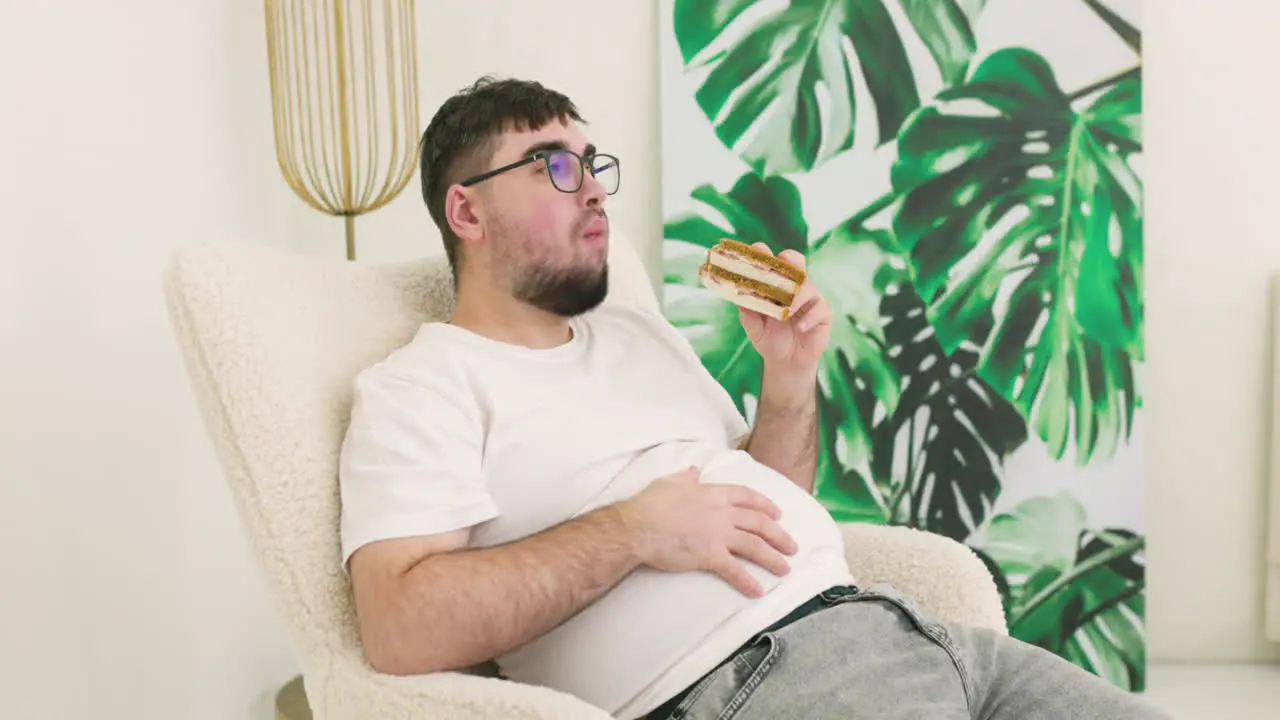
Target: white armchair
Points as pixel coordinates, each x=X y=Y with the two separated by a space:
x=272 y=341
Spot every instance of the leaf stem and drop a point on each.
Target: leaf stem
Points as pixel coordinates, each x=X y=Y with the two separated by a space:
x=1104 y=82
x=1102 y=558
x=855 y=221
x=733 y=360
x=1065 y=226
x=1109 y=603
x=872 y=209
x=1131 y=35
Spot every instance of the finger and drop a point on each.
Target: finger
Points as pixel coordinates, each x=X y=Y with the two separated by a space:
x=805 y=295
x=752 y=322
x=734 y=573
x=761 y=246
x=745 y=497
x=800 y=311
x=753 y=548
x=794 y=257
x=813 y=315
x=820 y=317
x=767 y=529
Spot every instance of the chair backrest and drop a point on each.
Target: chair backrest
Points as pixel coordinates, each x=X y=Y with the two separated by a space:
x=272 y=342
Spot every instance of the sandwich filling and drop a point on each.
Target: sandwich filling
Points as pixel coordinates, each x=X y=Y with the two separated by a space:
x=752 y=264
x=751 y=278
x=745 y=284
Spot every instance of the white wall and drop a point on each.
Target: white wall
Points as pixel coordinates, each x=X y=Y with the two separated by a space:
x=1211 y=245
x=129 y=129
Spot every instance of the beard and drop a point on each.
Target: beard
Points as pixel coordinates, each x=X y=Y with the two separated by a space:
x=567 y=292
x=564 y=290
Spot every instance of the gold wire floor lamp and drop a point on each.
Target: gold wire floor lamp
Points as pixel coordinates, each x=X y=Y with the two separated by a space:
x=344 y=101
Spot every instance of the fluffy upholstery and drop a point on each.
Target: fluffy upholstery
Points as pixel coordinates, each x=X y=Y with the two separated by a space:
x=272 y=341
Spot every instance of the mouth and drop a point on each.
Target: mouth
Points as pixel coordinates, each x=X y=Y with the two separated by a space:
x=596 y=231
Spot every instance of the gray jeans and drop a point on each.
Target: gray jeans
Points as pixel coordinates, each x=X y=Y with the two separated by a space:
x=870 y=653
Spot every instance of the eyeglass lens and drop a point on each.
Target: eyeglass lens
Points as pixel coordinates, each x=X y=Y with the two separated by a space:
x=566 y=169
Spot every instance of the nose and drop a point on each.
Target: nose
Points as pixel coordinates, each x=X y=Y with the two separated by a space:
x=592 y=191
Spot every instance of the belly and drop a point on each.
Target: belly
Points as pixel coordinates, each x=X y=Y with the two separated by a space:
x=803 y=517
x=651 y=620
x=808 y=522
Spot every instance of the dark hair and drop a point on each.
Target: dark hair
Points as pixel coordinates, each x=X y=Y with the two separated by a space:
x=463 y=135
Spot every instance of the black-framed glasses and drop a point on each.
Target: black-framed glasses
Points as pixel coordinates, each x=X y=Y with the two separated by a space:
x=567 y=170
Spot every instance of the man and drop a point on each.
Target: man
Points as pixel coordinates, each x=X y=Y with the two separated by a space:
x=558 y=484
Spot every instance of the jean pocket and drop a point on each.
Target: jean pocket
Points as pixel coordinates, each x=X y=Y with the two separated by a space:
x=722 y=694
x=927 y=626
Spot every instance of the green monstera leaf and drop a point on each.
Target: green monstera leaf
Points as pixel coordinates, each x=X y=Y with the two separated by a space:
x=946 y=27
x=754 y=210
x=1107 y=613
x=843 y=483
x=1072 y=591
x=941 y=447
x=1024 y=224
x=851 y=266
x=761 y=92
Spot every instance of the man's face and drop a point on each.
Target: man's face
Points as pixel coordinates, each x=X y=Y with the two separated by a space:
x=547 y=247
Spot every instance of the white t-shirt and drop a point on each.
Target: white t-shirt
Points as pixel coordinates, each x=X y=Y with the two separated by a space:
x=457 y=430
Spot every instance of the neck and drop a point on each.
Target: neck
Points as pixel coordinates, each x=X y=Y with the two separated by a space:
x=498 y=316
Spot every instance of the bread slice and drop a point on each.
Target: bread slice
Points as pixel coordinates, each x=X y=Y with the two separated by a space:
x=751 y=278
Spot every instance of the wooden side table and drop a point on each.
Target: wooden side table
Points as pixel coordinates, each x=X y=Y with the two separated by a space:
x=291 y=701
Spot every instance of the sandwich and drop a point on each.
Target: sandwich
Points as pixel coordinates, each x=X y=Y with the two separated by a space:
x=751 y=278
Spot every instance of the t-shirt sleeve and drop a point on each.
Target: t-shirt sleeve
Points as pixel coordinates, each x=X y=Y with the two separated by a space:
x=735 y=425
x=411 y=460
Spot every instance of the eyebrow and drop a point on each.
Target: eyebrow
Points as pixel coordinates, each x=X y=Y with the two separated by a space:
x=548 y=145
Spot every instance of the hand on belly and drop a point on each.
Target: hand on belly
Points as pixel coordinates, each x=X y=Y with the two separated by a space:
x=682 y=525
x=732 y=514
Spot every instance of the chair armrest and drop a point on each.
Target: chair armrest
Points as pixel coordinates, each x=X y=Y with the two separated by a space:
x=352 y=691
x=944 y=578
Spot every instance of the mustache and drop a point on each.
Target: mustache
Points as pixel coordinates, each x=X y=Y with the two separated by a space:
x=589 y=217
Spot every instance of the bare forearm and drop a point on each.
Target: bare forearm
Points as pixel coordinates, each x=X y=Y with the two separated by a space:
x=458 y=609
x=785 y=436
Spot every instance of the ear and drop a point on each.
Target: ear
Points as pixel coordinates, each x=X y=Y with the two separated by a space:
x=463 y=211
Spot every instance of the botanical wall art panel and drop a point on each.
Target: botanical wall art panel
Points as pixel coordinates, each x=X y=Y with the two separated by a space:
x=965 y=181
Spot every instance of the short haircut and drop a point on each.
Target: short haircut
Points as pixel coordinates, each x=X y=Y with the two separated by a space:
x=462 y=137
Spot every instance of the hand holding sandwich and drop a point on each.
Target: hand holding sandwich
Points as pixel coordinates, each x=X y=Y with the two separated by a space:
x=794 y=345
x=780 y=308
